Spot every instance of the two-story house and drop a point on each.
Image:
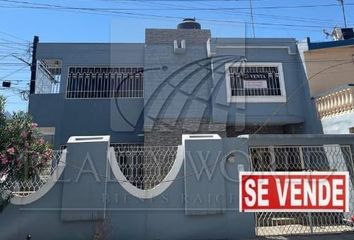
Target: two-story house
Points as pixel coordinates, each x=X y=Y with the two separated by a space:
x=178 y=81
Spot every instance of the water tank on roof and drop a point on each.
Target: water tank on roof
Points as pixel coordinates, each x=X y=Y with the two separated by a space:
x=189 y=23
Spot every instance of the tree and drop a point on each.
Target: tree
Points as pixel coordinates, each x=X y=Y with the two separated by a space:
x=23 y=151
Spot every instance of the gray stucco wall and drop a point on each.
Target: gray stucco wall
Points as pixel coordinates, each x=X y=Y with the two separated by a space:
x=88 y=117
x=190 y=86
x=298 y=107
x=91 y=54
x=122 y=216
x=166 y=216
x=115 y=117
x=190 y=89
x=194 y=86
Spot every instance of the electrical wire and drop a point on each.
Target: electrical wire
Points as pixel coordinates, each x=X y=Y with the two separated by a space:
x=121 y=12
x=13 y=36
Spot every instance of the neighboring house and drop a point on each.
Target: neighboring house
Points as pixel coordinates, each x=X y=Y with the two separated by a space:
x=330 y=69
x=178 y=81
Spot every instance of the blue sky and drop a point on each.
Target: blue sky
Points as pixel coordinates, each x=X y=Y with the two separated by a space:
x=125 y=21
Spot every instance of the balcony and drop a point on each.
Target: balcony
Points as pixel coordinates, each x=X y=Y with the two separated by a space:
x=48 y=76
x=336 y=102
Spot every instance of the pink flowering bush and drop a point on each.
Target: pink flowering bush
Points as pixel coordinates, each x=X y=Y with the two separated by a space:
x=23 y=152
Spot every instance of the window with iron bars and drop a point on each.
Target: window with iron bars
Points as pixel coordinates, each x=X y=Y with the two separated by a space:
x=255 y=81
x=105 y=82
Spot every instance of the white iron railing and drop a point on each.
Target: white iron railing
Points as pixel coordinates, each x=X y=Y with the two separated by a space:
x=145 y=166
x=24 y=188
x=47 y=79
x=304 y=158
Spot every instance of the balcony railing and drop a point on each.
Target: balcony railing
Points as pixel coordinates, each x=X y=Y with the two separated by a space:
x=47 y=79
x=337 y=102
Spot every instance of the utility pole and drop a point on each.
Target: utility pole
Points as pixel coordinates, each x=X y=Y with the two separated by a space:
x=341 y=2
x=252 y=19
x=34 y=65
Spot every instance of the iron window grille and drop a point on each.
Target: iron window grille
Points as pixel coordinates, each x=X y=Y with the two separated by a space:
x=105 y=82
x=255 y=82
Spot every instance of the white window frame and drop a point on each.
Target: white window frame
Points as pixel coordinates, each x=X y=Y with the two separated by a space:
x=255 y=99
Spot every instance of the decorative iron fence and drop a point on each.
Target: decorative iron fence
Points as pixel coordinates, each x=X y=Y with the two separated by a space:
x=145 y=166
x=24 y=188
x=304 y=158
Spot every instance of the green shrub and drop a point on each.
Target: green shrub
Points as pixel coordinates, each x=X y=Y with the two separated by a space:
x=23 y=151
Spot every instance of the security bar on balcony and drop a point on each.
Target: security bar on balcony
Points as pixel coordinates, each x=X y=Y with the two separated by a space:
x=48 y=76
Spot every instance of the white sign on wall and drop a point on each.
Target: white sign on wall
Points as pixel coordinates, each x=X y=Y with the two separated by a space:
x=255 y=84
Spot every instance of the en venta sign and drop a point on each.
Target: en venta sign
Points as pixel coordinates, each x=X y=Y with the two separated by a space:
x=294 y=191
x=255 y=80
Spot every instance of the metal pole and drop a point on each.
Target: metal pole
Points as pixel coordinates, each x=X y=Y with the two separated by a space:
x=34 y=65
x=252 y=19
x=343 y=11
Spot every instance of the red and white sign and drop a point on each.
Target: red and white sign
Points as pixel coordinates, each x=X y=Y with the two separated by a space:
x=294 y=191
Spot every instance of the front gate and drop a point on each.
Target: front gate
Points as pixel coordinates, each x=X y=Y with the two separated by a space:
x=304 y=158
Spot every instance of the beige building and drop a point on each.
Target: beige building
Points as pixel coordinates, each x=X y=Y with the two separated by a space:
x=330 y=71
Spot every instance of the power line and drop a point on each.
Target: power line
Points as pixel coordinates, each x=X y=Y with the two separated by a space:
x=11 y=73
x=177 y=8
x=13 y=36
x=14 y=42
x=114 y=11
x=8 y=42
x=232 y=12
